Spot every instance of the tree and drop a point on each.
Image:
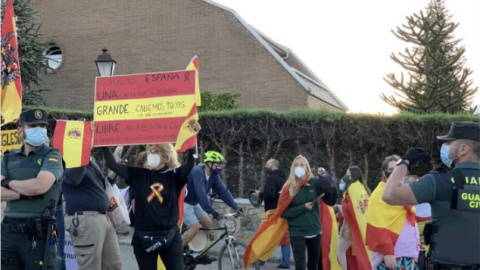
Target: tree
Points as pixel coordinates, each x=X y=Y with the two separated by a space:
x=218 y=102
x=438 y=81
x=30 y=50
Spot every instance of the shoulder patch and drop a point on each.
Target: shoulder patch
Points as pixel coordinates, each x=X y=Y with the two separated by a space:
x=53 y=159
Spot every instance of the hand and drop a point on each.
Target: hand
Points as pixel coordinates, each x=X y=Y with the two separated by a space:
x=240 y=212
x=390 y=261
x=217 y=215
x=309 y=206
x=414 y=155
x=257 y=192
x=5 y=183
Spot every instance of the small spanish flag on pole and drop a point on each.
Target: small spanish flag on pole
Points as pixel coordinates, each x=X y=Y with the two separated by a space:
x=193 y=65
x=11 y=102
x=74 y=140
x=187 y=138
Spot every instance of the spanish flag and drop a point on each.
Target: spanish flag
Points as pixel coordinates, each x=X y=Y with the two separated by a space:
x=385 y=222
x=74 y=140
x=329 y=237
x=10 y=66
x=187 y=138
x=355 y=207
x=271 y=232
x=193 y=65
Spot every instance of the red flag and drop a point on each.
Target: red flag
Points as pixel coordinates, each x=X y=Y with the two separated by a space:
x=10 y=67
x=74 y=140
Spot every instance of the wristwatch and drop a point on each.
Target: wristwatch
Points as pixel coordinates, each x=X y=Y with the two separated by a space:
x=404 y=162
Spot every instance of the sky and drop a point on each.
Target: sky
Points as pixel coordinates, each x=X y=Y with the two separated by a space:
x=348 y=43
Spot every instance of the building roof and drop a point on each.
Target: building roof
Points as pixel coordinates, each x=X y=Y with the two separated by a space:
x=292 y=64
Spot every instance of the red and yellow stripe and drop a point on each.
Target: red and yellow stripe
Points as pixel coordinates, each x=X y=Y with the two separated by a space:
x=11 y=102
x=355 y=207
x=329 y=243
x=187 y=138
x=74 y=141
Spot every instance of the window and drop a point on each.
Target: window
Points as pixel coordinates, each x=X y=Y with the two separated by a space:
x=52 y=58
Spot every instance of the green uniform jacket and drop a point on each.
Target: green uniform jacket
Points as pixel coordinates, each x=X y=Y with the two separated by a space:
x=17 y=166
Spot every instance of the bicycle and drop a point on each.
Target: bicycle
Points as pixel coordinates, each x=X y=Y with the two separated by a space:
x=231 y=253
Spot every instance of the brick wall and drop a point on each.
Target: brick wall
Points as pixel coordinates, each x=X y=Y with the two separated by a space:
x=145 y=36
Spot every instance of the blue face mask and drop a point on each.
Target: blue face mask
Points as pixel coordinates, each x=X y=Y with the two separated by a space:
x=341 y=186
x=445 y=155
x=217 y=170
x=36 y=136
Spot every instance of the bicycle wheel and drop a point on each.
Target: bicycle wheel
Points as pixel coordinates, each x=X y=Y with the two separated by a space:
x=233 y=258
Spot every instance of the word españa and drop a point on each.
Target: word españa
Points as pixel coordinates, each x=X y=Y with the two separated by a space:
x=165 y=77
x=112 y=109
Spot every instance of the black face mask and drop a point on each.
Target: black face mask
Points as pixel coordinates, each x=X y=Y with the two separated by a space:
x=267 y=170
x=387 y=174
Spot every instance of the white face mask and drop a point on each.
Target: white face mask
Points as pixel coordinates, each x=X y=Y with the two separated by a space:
x=300 y=172
x=153 y=160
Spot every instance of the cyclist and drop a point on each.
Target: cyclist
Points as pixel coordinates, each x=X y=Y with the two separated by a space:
x=204 y=177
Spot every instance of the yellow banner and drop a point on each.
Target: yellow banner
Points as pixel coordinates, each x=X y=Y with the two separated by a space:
x=10 y=140
x=130 y=109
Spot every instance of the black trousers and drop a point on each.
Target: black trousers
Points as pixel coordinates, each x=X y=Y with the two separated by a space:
x=172 y=256
x=312 y=245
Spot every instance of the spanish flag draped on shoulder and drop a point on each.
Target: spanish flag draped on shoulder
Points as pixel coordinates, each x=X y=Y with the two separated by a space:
x=74 y=141
x=10 y=65
x=355 y=207
x=270 y=233
x=385 y=222
x=187 y=138
x=193 y=65
x=329 y=242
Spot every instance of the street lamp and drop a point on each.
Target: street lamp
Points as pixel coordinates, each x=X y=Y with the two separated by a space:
x=105 y=64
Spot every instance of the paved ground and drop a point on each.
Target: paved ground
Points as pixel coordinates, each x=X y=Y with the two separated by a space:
x=130 y=263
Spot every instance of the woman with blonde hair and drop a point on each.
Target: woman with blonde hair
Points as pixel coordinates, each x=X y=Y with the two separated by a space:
x=302 y=191
x=157 y=189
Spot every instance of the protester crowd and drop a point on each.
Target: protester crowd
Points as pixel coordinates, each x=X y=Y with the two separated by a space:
x=406 y=222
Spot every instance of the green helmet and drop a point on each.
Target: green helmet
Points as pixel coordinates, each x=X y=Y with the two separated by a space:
x=213 y=156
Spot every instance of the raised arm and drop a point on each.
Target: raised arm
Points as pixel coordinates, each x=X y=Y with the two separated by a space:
x=120 y=169
x=186 y=168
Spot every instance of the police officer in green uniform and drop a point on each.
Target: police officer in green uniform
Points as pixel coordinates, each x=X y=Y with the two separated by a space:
x=454 y=197
x=31 y=183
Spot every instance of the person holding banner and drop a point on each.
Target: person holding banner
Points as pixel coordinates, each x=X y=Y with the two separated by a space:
x=93 y=235
x=157 y=189
x=31 y=180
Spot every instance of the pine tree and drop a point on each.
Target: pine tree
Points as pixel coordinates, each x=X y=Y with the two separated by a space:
x=30 y=50
x=436 y=78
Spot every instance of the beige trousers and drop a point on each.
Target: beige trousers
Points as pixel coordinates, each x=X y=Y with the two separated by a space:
x=95 y=241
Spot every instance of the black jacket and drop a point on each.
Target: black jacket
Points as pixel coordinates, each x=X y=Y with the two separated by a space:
x=271 y=192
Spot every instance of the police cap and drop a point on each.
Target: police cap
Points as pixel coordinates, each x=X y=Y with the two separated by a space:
x=35 y=116
x=462 y=130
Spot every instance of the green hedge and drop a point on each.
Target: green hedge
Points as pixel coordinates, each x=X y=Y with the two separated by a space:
x=334 y=140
